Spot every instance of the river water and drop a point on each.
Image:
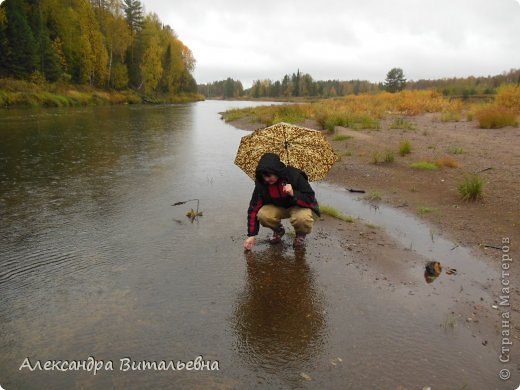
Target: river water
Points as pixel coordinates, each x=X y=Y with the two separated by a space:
x=95 y=262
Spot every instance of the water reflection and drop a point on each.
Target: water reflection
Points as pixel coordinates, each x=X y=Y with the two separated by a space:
x=279 y=318
x=63 y=163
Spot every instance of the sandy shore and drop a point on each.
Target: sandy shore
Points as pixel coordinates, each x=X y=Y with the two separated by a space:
x=433 y=195
x=481 y=226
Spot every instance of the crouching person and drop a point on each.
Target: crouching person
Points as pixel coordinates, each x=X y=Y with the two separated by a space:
x=280 y=192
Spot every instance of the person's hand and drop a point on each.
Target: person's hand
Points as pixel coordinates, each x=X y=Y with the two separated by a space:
x=288 y=189
x=249 y=243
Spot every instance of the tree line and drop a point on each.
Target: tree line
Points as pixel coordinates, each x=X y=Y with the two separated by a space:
x=100 y=43
x=303 y=85
x=468 y=86
x=295 y=85
x=228 y=88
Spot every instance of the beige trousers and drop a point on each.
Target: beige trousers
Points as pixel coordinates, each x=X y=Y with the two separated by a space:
x=301 y=218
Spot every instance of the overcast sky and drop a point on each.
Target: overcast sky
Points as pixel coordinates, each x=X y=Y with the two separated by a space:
x=345 y=39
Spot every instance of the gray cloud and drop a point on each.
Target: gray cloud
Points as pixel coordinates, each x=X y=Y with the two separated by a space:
x=347 y=39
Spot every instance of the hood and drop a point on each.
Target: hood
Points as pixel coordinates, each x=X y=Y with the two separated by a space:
x=270 y=163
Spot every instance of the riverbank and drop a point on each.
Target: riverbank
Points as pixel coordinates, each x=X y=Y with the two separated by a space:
x=370 y=160
x=18 y=93
x=457 y=149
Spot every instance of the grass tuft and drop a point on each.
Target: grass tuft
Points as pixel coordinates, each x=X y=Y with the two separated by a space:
x=389 y=156
x=334 y=213
x=450 y=116
x=376 y=157
x=471 y=188
x=405 y=147
x=455 y=150
x=426 y=210
x=426 y=165
x=401 y=123
x=373 y=196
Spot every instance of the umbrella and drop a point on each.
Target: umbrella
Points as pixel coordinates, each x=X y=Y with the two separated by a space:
x=297 y=146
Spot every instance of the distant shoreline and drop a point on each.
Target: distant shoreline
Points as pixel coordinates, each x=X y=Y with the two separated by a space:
x=22 y=94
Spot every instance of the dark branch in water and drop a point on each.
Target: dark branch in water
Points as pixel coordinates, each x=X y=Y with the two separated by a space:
x=354 y=190
x=484 y=170
x=186 y=201
x=191 y=214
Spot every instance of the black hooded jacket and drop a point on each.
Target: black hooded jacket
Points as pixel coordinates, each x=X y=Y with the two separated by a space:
x=272 y=194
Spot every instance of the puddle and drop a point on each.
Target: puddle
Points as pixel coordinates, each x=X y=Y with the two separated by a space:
x=412 y=233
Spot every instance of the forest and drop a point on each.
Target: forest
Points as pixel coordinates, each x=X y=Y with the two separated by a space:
x=303 y=85
x=106 y=44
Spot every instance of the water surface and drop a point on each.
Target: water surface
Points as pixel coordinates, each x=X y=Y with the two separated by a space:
x=94 y=261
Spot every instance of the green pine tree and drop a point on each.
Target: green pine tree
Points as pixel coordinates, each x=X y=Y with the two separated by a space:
x=21 y=55
x=395 y=80
x=4 y=43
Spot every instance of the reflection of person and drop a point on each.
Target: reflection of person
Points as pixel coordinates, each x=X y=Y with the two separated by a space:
x=280 y=192
x=279 y=321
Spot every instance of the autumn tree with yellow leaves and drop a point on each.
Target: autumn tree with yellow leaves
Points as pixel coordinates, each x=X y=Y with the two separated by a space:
x=100 y=43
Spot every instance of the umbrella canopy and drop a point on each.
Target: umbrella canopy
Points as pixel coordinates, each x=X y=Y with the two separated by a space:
x=297 y=146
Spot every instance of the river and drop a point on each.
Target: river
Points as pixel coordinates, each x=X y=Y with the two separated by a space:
x=96 y=264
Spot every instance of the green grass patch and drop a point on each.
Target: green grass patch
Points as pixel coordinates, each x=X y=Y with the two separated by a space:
x=376 y=157
x=402 y=123
x=389 y=156
x=450 y=116
x=334 y=213
x=405 y=147
x=471 y=188
x=354 y=121
x=426 y=210
x=235 y=114
x=426 y=165
x=288 y=113
x=269 y=115
x=57 y=95
x=341 y=137
x=455 y=150
x=374 y=196
x=365 y=122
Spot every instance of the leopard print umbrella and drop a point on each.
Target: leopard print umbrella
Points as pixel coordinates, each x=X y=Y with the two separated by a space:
x=297 y=146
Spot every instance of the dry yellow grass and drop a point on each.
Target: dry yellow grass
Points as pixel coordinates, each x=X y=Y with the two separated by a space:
x=508 y=97
x=366 y=111
x=447 y=162
x=496 y=117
